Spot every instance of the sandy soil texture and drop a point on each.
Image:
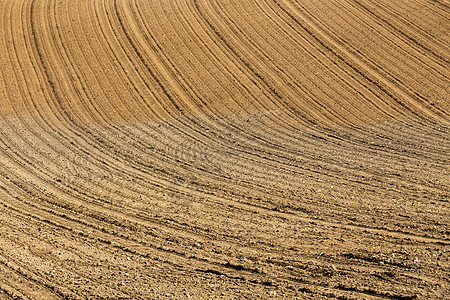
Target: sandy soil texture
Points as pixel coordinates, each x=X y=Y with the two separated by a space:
x=224 y=149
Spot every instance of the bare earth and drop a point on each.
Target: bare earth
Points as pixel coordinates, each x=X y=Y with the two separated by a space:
x=224 y=149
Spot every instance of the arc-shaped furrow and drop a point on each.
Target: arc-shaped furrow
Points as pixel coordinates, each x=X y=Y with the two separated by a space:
x=188 y=145
x=432 y=125
x=224 y=66
x=428 y=42
x=116 y=239
x=270 y=115
x=75 y=209
x=419 y=65
x=361 y=68
x=21 y=119
x=281 y=132
x=193 y=90
x=197 y=130
x=176 y=104
x=70 y=128
x=235 y=53
x=40 y=118
x=385 y=70
x=196 y=123
x=298 y=43
x=290 y=81
x=277 y=50
x=415 y=8
x=35 y=135
x=297 y=114
x=101 y=112
x=78 y=226
x=152 y=110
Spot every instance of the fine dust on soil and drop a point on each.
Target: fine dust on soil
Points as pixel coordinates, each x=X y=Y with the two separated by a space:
x=224 y=149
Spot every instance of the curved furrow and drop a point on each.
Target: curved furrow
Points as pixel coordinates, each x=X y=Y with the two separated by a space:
x=313 y=86
x=207 y=94
x=395 y=67
x=205 y=128
x=75 y=209
x=255 y=69
x=278 y=133
x=432 y=124
x=409 y=30
x=78 y=226
x=275 y=66
x=296 y=115
x=417 y=63
x=419 y=70
x=228 y=275
x=220 y=149
x=88 y=83
x=408 y=101
x=128 y=248
x=299 y=44
x=225 y=66
x=415 y=9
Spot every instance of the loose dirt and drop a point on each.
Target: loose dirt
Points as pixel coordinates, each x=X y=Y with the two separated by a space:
x=224 y=149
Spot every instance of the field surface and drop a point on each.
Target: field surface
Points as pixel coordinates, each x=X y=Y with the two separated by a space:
x=172 y=149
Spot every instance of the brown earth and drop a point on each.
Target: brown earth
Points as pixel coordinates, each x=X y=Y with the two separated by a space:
x=224 y=149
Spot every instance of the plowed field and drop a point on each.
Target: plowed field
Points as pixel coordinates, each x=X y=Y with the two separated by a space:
x=224 y=149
